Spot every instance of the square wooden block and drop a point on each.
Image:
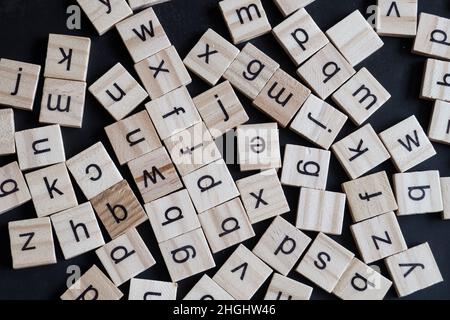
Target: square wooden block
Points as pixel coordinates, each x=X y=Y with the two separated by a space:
x=67 y=57
x=379 y=237
x=192 y=148
x=289 y=6
x=93 y=170
x=39 y=147
x=360 y=151
x=418 y=192
x=133 y=137
x=162 y=72
x=413 y=270
x=211 y=57
x=77 y=230
x=326 y=71
x=207 y=289
x=321 y=211
x=172 y=215
x=325 y=262
x=19 y=83
x=281 y=97
x=284 y=288
x=140 y=4
x=220 y=109
x=250 y=71
x=407 y=143
x=318 y=122
x=262 y=195
x=361 y=282
x=143 y=289
x=125 y=257
x=51 y=189
x=31 y=243
x=63 y=102
x=187 y=255
x=445 y=188
x=355 y=38
x=7 y=131
x=369 y=196
x=13 y=188
x=118 y=209
x=281 y=245
x=436 y=82
x=431 y=38
x=397 y=18
x=246 y=19
x=439 y=129
x=210 y=186
x=361 y=96
x=242 y=274
x=305 y=167
x=104 y=15
x=154 y=175
x=118 y=92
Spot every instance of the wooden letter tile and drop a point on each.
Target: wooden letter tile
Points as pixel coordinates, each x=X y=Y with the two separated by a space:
x=397 y=18
x=207 y=289
x=445 y=188
x=7 y=131
x=439 y=130
x=140 y=4
x=13 y=188
x=289 y=6
x=284 y=288
x=432 y=36
x=142 y=289
x=436 y=81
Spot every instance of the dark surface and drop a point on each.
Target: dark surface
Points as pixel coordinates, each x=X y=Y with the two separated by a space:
x=24 y=28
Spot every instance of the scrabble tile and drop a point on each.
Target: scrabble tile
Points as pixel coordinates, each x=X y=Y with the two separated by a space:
x=13 y=188
x=118 y=92
x=418 y=192
x=77 y=230
x=118 y=209
x=187 y=255
x=250 y=71
x=173 y=112
x=133 y=137
x=63 y=102
x=281 y=245
x=413 y=270
x=93 y=285
x=300 y=36
x=93 y=170
x=262 y=196
x=326 y=71
x=431 y=39
x=226 y=225
x=210 y=186
x=220 y=109
x=321 y=211
x=172 y=215
x=7 y=131
x=407 y=143
x=439 y=129
x=139 y=4
x=445 y=188
x=142 y=289
x=436 y=82
x=162 y=72
x=361 y=96
x=258 y=146
x=143 y=34
x=246 y=19
x=360 y=151
x=325 y=262
x=379 y=237
x=192 y=148
x=355 y=38
x=67 y=57
x=361 y=282
x=105 y=14
x=284 y=288
x=281 y=97
x=397 y=18
x=125 y=257
x=154 y=175
x=31 y=243
x=51 y=189
x=242 y=274
x=211 y=57
x=369 y=196
x=289 y=6
x=305 y=167
x=318 y=122
x=18 y=83
x=39 y=147
x=207 y=289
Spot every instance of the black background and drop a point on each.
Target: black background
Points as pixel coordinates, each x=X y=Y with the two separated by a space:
x=24 y=29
